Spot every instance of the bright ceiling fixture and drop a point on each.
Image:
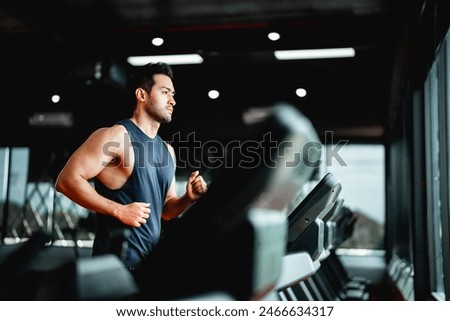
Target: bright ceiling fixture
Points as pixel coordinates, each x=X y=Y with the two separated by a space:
x=301 y=92
x=274 y=36
x=157 y=41
x=315 y=53
x=184 y=59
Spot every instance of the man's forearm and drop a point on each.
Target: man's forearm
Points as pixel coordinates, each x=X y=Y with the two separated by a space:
x=175 y=206
x=82 y=193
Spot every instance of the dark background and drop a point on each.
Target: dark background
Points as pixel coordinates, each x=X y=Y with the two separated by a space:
x=55 y=47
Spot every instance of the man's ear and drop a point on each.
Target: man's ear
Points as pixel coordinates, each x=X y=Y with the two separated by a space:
x=140 y=94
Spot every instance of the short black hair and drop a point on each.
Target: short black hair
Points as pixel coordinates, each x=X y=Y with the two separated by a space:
x=142 y=76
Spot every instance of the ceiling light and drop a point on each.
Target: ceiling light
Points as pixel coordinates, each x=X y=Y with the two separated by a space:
x=186 y=59
x=274 y=36
x=56 y=98
x=213 y=94
x=315 y=53
x=301 y=92
x=157 y=41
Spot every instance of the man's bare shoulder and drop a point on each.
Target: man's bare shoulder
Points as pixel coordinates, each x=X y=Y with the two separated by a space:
x=113 y=138
x=169 y=147
x=114 y=133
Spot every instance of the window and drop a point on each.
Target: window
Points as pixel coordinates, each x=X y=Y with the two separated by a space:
x=361 y=170
x=437 y=116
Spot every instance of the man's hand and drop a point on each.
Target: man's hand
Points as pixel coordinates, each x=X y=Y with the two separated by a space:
x=134 y=214
x=196 y=186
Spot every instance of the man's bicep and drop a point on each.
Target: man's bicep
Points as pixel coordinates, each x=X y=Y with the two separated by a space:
x=93 y=156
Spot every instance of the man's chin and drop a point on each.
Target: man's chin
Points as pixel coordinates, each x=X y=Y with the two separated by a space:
x=165 y=119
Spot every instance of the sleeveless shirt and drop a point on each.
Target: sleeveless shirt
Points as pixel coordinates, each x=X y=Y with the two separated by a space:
x=152 y=174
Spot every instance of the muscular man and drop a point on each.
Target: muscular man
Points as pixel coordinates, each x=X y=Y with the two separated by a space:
x=133 y=171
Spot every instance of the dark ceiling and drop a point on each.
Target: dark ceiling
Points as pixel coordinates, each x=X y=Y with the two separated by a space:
x=54 y=47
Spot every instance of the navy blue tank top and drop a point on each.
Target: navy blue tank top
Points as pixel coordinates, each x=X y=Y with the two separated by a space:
x=153 y=172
